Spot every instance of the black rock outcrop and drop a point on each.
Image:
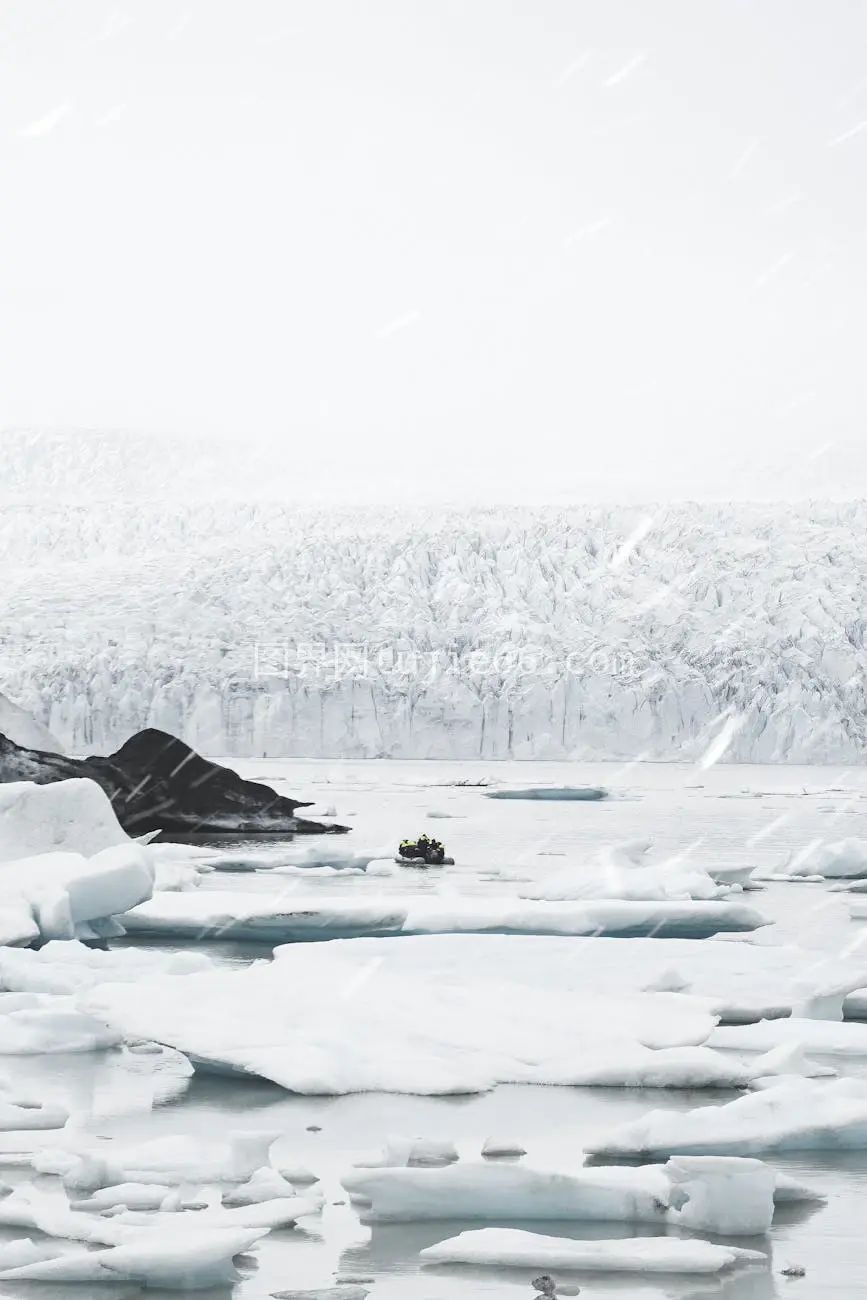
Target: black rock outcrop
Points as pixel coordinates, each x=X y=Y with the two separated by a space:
x=157 y=783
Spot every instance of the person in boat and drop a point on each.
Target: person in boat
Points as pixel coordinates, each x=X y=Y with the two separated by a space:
x=435 y=851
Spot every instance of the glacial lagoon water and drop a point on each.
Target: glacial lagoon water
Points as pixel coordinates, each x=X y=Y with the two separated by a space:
x=731 y=815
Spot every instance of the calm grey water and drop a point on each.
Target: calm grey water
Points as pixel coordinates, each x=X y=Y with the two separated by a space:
x=743 y=814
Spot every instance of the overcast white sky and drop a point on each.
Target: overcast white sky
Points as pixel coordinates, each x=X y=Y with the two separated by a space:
x=605 y=246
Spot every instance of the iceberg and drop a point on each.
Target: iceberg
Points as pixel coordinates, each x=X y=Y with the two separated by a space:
x=285 y=919
x=727 y=1197
x=793 y=1115
x=513 y=1248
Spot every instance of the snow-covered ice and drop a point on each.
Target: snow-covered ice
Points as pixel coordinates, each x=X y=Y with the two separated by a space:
x=792 y=1115
x=512 y=1247
x=293 y=918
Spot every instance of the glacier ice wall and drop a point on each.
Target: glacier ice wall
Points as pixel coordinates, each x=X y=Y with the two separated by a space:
x=259 y=628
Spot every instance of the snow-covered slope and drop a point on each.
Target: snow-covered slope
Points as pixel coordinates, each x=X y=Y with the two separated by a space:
x=138 y=584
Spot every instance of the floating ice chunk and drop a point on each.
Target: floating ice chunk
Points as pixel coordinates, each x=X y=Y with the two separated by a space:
x=73 y=816
x=174 y=1160
x=133 y=1196
x=70 y=967
x=513 y=1248
x=298 y=1175
x=266 y=1184
x=726 y=1197
x=487 y=1190
x=788 y=1191
x=606 y=880
x=336 y=854
x=730 y=876
x=183 y=1260
x=17 y=924
x=382 y=867
x=796 y=1115
x=789 y=1059
x=53 y=1026
x=176 y=876
x=721 y=1195
x=284 y=1212
x=69 y=895
x=551 y=793
x=822 y=1036
x=346 y=1292
x=90 y=1173
x=201 y=913
x=641 y=1067
x=844 y=859
x=30 y=1116
x=501 y=1147
x=401 y=1152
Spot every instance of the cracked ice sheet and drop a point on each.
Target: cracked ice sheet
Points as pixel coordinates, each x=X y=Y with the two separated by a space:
x=282 y=919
